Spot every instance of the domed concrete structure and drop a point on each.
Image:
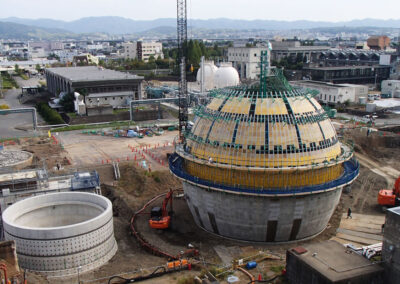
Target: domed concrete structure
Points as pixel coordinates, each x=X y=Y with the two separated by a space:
x=209 y=71
x=226 y=76
x=263 y=163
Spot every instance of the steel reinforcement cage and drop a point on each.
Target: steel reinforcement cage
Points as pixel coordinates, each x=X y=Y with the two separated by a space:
x=350 y=172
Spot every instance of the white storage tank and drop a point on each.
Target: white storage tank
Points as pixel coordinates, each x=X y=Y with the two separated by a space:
x=226 y=76
x=363 y=100
x=370 y=107
x=209 y=71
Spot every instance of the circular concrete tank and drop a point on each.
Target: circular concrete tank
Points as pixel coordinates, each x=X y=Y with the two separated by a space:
x=15 y=159
x=263 y=163
x=57 y=233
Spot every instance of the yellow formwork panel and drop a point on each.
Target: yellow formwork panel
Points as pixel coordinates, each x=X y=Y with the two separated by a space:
x=202 y=127
x=300 y=105
x=316 y=104
x=215 y=104
x=328 y=128
x=281 y=134
x=310 y=133
x=222 y=131
x=270 y=106
x=264 y=179
x=238 y=106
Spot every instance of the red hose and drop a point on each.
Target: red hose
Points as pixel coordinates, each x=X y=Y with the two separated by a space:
x=143 y=242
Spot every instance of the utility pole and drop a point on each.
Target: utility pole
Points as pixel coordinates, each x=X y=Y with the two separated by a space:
x=1 y=86
x=182 y=54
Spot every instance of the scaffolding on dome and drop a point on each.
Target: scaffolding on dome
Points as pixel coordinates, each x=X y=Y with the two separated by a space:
x=267 y=136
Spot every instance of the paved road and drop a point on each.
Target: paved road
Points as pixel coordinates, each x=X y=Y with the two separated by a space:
x=378 y=121
x=8 y=123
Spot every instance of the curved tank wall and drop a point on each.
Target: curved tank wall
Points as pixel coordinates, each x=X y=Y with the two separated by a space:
x=209 y=72
x=261 y=218
x=57 y=233
x=226 y=76
x=263 y=162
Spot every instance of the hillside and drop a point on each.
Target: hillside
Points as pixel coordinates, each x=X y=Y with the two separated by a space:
x=10 y=30
x=119 y=25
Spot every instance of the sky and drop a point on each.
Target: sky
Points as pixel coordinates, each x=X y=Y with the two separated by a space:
x=313 y=10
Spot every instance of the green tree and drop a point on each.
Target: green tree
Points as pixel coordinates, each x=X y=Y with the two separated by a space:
x=16 y=68
x=38 y=68
x=67 y=102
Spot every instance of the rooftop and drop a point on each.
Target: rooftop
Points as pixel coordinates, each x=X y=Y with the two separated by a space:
x=91 y=73
x=332 y=260
x=395 y=210
x=345 y=67
x=318 y=83
x=113 y=94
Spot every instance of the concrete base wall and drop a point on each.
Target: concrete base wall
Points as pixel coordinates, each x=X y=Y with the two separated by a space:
x=261 y=218
x=56 y=247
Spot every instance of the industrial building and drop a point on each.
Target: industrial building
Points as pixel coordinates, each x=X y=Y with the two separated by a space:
x=391 y=245
x=94 y=80
x=378 y=42
x=391 y=87
x=330 y=262
x=142 y=50
x=332 y=94
x=263 y=162
x=291 y=49
x=246 y=60
x=349 y=74
x=354 y=57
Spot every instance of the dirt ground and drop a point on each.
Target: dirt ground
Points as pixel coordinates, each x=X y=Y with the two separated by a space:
x=137 y=186
x=45 y=151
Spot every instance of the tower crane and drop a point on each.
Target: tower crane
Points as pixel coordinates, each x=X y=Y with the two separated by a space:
x=182 y=56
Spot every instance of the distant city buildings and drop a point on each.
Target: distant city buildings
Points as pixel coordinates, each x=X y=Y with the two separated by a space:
x=378 y=42
x=293 y=49
x=142 y=50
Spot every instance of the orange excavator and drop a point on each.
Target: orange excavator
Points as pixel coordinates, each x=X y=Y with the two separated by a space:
x=160 y=218
x=390 y=197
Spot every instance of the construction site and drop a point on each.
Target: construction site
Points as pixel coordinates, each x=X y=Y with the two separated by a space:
x=248 y=183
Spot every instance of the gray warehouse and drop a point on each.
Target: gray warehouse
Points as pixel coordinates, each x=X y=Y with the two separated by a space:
x=94 y=79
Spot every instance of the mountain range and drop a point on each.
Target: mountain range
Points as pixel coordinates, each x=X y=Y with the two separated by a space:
x=23 y=29
x=120 y=26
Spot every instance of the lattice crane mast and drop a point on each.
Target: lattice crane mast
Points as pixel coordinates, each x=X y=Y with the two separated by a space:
x=182 y=55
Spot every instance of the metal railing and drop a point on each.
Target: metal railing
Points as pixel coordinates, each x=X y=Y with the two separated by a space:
x=351 y=171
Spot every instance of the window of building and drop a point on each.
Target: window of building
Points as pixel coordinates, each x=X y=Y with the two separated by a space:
x=329 y=97
x=105 y=99
x=255 y=54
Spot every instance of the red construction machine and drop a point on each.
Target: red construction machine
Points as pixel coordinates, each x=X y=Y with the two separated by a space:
x=390 y=197
x=160 y=217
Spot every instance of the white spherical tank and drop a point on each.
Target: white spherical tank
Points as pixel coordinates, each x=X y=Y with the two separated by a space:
x=209 y=72
x=226 y=76
x=57 y=234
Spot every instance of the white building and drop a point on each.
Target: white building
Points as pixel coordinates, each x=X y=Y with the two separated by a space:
x=391 y=87
x=330 y=93
x=359 y=91
x=246 y=60
x=142 y=50
x=65 y=55
x=115 y=99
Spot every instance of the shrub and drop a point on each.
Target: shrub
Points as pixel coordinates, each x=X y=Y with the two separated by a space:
x=49 y=114
x=4 y=106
